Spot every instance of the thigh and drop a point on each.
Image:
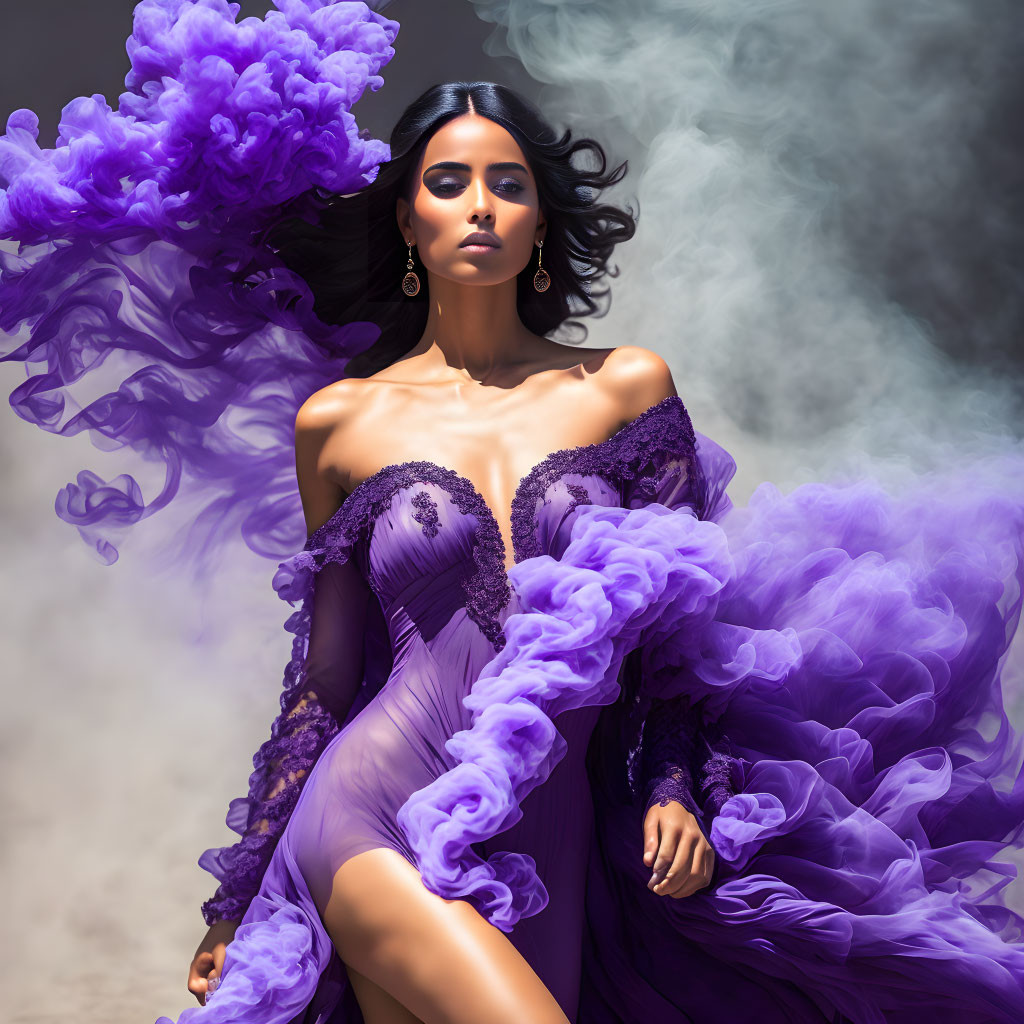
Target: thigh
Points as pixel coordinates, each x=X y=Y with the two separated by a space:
x=439 y=958
x=376 y=1005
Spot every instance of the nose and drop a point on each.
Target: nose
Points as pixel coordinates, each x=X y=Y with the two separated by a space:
x=481 y=206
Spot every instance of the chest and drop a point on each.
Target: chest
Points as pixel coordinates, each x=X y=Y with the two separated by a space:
x=428 y=542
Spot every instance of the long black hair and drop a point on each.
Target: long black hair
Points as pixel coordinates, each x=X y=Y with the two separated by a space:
x=352 y=255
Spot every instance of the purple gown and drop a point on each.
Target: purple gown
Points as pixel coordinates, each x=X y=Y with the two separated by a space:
x=817 y=698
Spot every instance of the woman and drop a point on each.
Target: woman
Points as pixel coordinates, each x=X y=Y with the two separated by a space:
x=476 y=382
x=538 y=656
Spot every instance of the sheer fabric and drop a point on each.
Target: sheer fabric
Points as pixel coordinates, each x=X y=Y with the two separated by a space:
x=654 y=462
x=339 y=658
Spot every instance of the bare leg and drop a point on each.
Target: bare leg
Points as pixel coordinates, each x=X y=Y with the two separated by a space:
x=376 y=1005
x=437 y=957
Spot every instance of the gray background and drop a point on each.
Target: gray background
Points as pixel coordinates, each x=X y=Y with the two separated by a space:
x=829 y=255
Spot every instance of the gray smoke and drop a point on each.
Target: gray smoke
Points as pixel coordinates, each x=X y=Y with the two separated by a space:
x=801 y=169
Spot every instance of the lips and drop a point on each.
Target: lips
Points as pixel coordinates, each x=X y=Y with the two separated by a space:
x=479 y=238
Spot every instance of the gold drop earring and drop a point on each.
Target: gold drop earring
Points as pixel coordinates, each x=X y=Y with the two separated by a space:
x=542 y=279
x=410 y=283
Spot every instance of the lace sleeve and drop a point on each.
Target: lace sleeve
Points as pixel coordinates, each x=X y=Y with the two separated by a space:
x=667 y=755
x=685 y=758
x=682 y=757
x=322 y=681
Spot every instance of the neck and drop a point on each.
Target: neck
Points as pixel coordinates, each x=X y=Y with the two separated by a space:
x=474 y=330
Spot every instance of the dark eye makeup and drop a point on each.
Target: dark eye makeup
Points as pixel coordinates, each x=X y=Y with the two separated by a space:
x=447 y=186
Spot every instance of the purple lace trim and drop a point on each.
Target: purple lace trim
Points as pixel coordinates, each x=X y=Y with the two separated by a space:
x=718 y=782
x=288 y=756
x=664 y=427
x=487 y=590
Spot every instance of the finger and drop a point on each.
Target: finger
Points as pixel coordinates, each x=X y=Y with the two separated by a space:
x=218 y=960
x=197 y=971
x=200 y=966
x=677 y=874
x=650 y=837
x=695 y=879
x=709 y=865
x=197 y=986
x=666 y=855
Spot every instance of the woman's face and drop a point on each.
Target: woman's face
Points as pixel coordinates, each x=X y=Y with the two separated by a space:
x=450 y=202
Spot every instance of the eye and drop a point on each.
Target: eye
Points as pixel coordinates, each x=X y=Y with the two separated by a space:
x=448 y=186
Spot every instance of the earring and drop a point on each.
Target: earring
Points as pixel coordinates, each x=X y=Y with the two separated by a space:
x=410 y=283
x=542 y=279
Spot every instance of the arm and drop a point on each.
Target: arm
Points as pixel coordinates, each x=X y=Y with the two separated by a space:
x=322 y=681
x=684 y=758
x=685 y=779
x=325 y=680
x=685 y=770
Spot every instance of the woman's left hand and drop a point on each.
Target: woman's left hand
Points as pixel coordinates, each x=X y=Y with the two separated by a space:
x=675 y=848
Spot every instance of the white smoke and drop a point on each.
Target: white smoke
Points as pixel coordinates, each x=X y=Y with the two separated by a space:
x=773 y=146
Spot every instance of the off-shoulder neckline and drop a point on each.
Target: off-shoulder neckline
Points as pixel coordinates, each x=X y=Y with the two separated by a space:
x=557 y=456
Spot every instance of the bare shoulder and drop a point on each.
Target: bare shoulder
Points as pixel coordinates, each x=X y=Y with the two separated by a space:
x=328 y=408
x=321 y=421
x=637 y=377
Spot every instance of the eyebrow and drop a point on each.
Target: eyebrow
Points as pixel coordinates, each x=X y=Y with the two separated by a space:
x=454 y=165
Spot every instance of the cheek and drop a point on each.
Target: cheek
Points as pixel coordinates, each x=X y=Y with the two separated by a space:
x=519 y=226
x=434 y=215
